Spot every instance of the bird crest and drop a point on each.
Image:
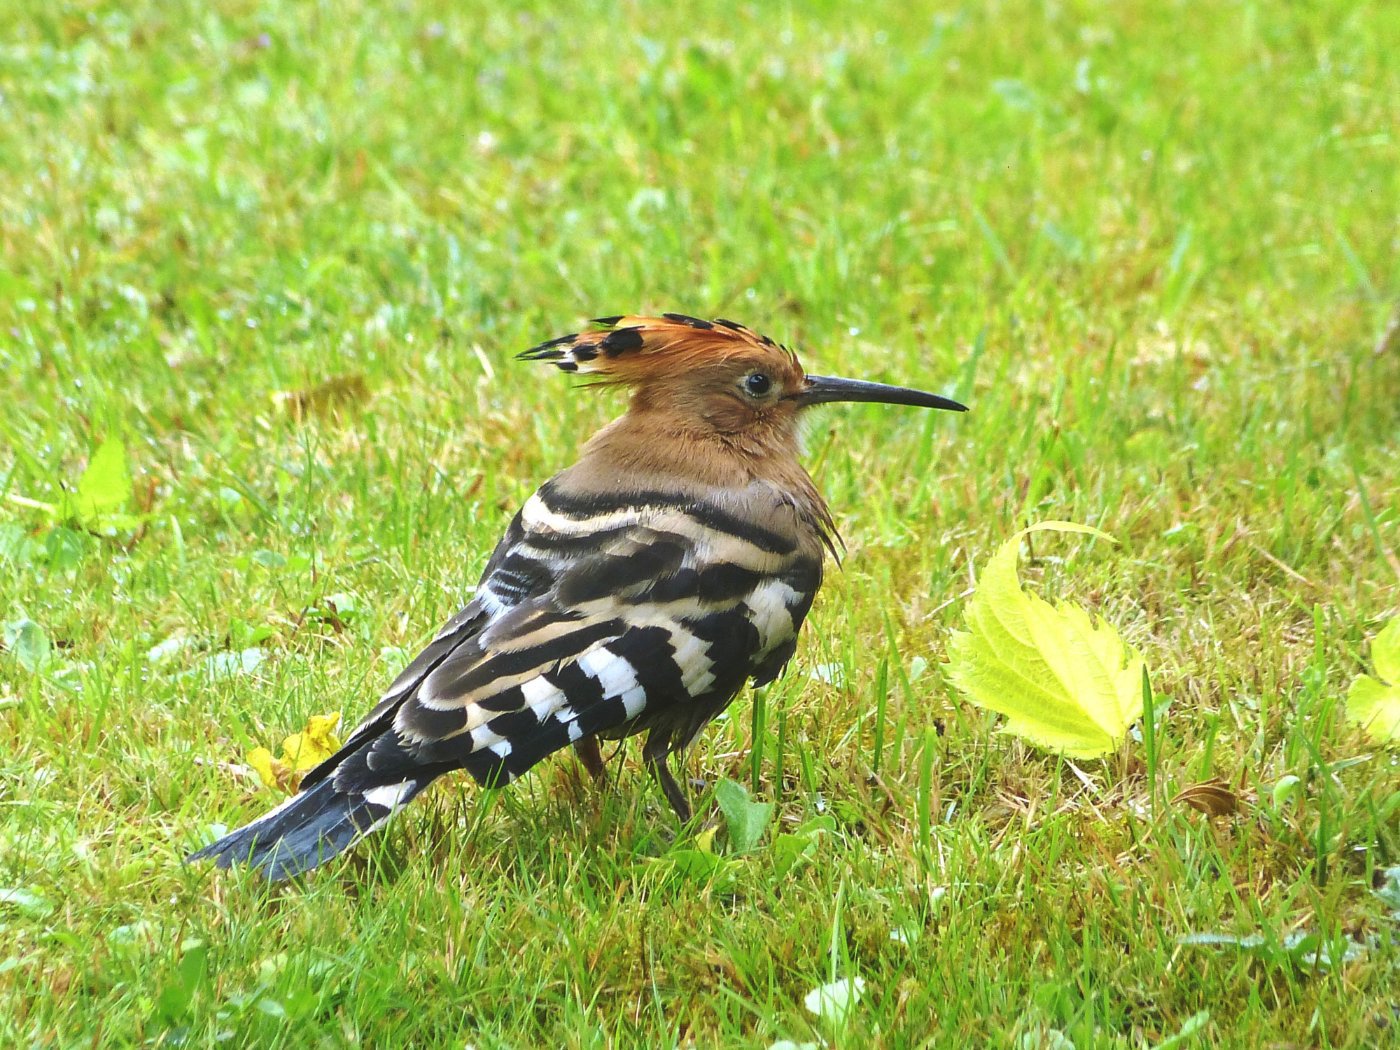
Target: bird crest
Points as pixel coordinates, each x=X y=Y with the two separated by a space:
x=630 y=349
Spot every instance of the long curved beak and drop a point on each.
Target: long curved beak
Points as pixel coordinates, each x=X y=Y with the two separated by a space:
x=822 y=389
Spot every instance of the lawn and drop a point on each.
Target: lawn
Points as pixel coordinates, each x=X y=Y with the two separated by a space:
x=285 y=253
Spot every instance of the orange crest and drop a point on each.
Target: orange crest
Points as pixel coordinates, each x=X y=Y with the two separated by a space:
x=633 y=349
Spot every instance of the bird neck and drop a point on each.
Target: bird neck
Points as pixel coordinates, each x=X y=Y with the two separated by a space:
x=657 y=452
x=660 y=446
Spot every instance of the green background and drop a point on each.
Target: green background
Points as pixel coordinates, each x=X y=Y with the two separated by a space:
x=286 y=252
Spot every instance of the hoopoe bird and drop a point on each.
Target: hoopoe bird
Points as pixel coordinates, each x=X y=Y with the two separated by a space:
x=635 y=592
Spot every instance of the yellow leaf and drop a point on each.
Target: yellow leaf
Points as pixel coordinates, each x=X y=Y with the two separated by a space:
x=705 y=841
x=1385 y=652
x=1374 y=703
x=313 y=745
x=1063 y=682
x=262 y=762
x=105 y=486
x=300 y=752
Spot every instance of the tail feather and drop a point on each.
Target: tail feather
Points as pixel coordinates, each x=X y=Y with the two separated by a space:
x=310 y=828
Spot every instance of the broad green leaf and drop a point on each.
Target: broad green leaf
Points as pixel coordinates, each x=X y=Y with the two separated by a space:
x=802 y=844
x=1374 y=703
x=1186 y=1034
x=1389 y=891
x=745 y=819
x=16 y=545
x=105 y=487
x=177 y=994
x=29 y=645
x=1287 y=789
x=64 y=548
x=703 y=866
x=1064 y=682
x=144 y=933
x=25 y=901
x=1304 y=949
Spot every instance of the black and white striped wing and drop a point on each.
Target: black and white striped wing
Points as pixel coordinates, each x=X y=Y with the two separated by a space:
x=499 y=711
x=592 y=615
x=592 y=618
x=457 y=632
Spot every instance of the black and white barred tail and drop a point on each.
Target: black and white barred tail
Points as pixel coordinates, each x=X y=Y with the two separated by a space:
x=309 y=828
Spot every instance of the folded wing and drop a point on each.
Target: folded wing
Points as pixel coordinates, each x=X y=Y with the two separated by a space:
x=596 y=616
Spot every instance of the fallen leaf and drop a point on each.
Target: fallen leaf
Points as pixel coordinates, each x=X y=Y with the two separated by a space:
x=301 y=752
x=1064 y=682
x=1212 y=797
x=314 y=744
x=224 y=664
x=171 y=647
x=271 y=771
x=333 y=394
x=105 y=487
x=1373 y=704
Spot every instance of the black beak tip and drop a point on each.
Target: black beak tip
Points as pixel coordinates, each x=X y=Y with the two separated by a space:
x=824 y=389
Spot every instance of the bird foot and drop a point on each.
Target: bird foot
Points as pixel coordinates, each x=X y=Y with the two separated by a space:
x=591 y=758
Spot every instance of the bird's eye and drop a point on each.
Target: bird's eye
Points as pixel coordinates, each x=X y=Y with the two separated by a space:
x=757 y=384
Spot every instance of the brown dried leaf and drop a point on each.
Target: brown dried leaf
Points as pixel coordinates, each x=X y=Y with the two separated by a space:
x=1214 y=798
x=332 y=395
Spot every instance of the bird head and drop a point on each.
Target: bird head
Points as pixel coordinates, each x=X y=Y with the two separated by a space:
x=718 y=374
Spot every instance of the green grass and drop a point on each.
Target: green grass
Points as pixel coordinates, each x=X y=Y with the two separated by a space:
x=1153 y=245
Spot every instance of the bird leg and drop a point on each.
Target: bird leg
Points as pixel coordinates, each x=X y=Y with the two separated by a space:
x=656 y=758
x=674 y=793
x=590 y=757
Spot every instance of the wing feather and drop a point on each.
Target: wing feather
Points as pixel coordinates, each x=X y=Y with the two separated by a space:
x=595 y=615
